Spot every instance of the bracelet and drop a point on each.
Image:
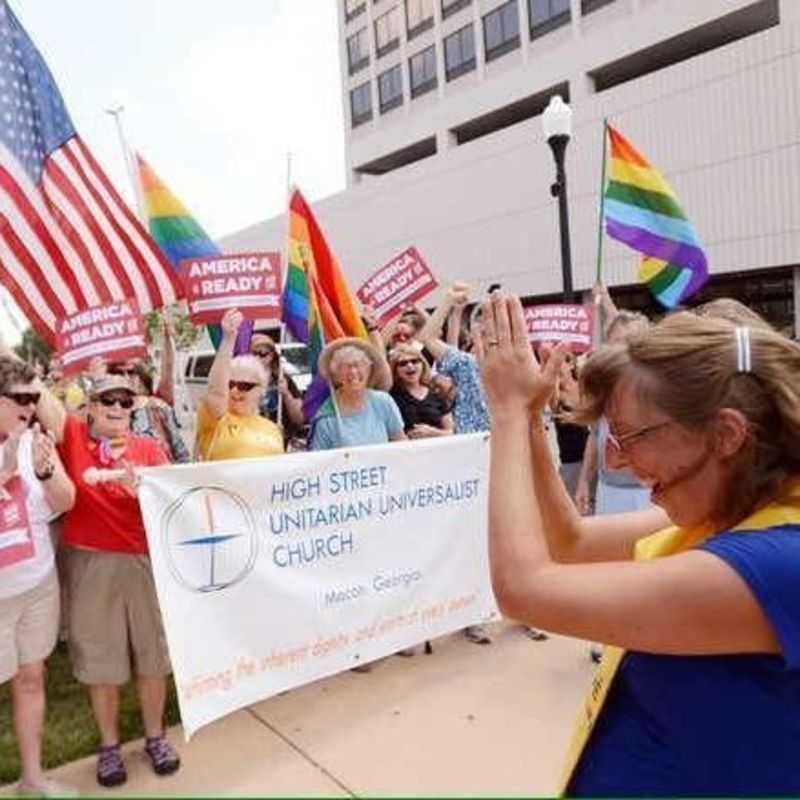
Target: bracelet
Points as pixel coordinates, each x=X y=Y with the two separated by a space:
x=47 y=475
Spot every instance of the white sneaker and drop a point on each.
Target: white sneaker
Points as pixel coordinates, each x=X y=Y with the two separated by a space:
x=49 y=788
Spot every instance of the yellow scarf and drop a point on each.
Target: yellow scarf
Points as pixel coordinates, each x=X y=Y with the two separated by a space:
x=784 y=510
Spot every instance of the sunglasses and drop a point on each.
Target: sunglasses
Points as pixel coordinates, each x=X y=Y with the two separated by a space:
x=124 y=401
x=127 y=373
x=264 y=353
x=242 y=386
x=407 y=361
x=23 y=398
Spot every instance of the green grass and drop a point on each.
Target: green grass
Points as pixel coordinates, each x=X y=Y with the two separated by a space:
x=70 y=732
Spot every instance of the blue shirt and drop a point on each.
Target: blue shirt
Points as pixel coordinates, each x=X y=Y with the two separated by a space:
x=379 y=421
x=470 y=413
x=701 y=725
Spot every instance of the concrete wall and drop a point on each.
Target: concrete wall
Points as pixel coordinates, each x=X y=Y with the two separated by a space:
x=724 y=127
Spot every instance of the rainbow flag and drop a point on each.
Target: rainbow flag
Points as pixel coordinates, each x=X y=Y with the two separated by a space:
x=318 y=305
x=179 y=235
x=642 y=210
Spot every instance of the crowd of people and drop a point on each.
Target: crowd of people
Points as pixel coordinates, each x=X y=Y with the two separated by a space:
x=662 y=426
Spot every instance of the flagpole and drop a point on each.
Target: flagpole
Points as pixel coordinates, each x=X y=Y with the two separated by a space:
x=116 y=112
x=602 y=205
x=282 y=329
x=598 y=310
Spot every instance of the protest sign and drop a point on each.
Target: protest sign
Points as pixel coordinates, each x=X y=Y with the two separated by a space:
x=275 y=572
x=563 y=322
x=114 y=331
x=250 y=282
x=404 y=280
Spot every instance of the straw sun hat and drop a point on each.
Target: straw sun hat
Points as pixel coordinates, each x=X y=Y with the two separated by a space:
x=366 y=348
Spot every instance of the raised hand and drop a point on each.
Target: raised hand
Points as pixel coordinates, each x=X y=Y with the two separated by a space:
x=370 y=317
x=459 y=294
x=231 y=321
x=515 y=382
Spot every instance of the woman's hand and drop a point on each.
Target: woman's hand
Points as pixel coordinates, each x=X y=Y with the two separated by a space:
x=515 y=382
x=44 y=453
x=422 y=431
x=129 y=481
x=231 y=321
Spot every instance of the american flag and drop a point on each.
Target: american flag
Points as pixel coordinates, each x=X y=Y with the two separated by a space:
x=67 y=239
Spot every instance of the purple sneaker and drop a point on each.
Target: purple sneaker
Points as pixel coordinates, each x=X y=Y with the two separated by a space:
x=111 y=769
x=163 y=757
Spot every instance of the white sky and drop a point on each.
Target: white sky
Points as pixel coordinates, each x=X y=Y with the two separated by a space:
x=216 y=92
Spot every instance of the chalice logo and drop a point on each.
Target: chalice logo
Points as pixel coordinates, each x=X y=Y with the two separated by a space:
x=210 y=539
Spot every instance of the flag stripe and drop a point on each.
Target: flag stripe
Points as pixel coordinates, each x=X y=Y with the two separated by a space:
x=653 y=201
x=88 y=227
x=16 y=251
x=678 y=253
x=23 y=224
x=658 y=224
x=640 y=177
x=26 y=296
x=57 y=190
x=104 y=231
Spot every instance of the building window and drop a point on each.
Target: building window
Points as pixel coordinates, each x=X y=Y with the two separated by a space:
x=352 y=8
x=587 y=6
x=387 y=32
x=358 y=51
x=451 y=6
x=419 y=16
x=459 y=52
x=422 y=71
x=501 y=30
x=361 y=104
x=547 y=15
x=390 y=89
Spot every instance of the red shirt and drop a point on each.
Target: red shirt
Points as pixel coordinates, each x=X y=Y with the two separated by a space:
x=105 y=517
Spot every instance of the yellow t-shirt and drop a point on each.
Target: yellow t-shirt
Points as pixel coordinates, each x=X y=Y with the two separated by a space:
x=232 y=436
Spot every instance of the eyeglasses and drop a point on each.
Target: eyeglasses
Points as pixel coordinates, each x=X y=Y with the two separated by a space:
x=263 y=353
x=242 y=386
x=23 y=398
x=625 y=442
x=109 y=401
x=405 y=362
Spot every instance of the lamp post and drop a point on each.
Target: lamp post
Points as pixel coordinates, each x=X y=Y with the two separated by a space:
x=557 y=124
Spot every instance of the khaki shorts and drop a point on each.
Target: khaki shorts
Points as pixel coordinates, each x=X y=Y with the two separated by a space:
x=28 y=626
x=115 y=623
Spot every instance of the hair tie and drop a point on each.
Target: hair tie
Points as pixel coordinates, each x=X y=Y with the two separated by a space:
x=744 y=357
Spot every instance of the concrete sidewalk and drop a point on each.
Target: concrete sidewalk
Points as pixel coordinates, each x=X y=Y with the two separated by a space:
x=467 y=720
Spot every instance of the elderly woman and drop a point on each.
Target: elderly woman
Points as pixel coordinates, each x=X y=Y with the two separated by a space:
x=114 y=617
x=706 y=700
x=228 y=421
x=361 y=415
x=33 y=487
x=425 y=412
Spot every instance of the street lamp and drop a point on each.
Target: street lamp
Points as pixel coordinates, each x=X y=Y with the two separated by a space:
x=557 y=124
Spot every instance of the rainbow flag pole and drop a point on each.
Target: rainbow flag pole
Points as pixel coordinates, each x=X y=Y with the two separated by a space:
x=642 y=211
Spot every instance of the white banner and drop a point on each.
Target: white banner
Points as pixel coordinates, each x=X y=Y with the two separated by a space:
x=275 y=572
